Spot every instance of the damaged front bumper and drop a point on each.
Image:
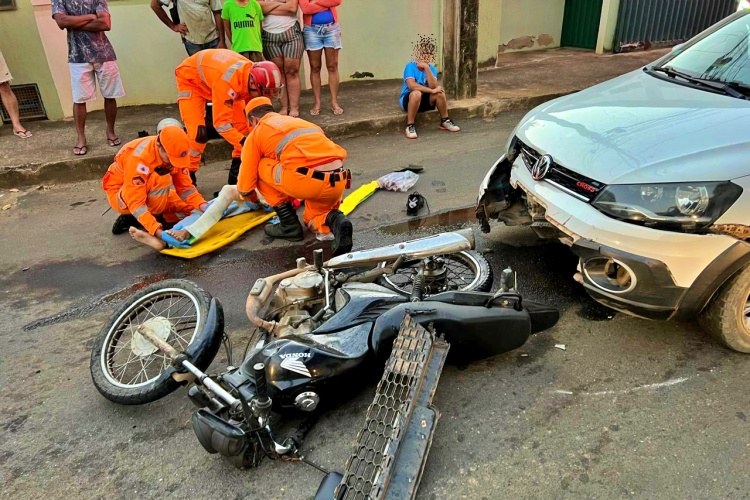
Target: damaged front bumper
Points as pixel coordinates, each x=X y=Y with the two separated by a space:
x=638 y=270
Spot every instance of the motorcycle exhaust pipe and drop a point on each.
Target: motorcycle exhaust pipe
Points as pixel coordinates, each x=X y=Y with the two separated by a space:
x=453 y=242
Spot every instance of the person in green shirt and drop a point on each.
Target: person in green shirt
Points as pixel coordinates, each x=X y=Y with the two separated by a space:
x=242 y=25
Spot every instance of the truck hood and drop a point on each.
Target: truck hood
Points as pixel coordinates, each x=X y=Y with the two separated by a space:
x=638 y=128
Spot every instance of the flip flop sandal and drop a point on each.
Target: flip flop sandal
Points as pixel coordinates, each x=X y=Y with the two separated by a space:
x=80 y=150
x=23 y=134
x=315 y=112
x=338 y=111
x=114 y=142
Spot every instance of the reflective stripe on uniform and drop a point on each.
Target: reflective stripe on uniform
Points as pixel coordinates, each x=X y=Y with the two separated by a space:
x=199 y=66
x=184 y=95
x=293 y=134
x=223 y=127
x=230 y=71
x=187 y=193
x=277 y=173
x=140 y=147
x=140 y=211
x=121 y=200
x=194 y=152
x=158 y=192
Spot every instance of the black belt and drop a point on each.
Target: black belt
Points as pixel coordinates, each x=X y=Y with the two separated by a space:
x=333 y=176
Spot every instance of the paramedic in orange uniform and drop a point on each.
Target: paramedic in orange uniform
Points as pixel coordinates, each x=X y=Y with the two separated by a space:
x=228 y=80
x=150 y=181
x=287 y=158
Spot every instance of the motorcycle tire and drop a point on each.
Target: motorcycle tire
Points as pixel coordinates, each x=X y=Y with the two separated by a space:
x=473 y=261
x=119 y=341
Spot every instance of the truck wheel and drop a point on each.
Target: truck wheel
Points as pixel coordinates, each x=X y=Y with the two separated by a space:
x=727 y=317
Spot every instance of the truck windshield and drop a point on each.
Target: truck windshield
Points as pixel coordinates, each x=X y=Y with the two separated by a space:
x=723 y=56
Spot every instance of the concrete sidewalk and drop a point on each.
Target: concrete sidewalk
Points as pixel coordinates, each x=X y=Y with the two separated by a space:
x=521 y=81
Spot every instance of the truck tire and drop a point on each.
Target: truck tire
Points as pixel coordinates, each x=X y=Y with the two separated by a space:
x=727 y=317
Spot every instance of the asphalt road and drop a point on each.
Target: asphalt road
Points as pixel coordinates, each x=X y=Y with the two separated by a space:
x=629 y=408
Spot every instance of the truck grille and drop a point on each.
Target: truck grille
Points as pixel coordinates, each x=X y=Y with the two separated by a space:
x=392 y=446
x=582 y=187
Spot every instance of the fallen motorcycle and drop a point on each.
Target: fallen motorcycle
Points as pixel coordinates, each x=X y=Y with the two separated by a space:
x=320 y=330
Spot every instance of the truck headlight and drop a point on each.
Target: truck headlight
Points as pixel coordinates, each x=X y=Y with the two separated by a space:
x=686 y=206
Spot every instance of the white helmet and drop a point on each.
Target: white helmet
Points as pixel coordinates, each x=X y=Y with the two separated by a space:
x=169 y=122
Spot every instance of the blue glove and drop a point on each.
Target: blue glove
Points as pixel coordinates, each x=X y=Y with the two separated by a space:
x=172 y=241
x=250 y=206
x=253 y=207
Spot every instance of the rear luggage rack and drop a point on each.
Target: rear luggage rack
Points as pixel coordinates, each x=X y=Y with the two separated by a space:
x=392 y=447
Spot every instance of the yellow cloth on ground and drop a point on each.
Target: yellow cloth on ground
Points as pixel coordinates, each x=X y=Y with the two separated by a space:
x=227 y=230
x=358 y=196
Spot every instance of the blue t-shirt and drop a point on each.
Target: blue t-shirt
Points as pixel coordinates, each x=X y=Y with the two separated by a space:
x=411 y=71
x=325 y=17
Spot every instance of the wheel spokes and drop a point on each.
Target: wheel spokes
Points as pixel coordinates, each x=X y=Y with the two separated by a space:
x=126 y=362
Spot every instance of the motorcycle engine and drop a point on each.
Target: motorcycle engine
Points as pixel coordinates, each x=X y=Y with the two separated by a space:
x=300 y=297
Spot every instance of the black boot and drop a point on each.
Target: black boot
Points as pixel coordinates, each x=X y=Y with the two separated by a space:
x=341 y=227
x=289 y=227
x=234 y=171
x=123 y=223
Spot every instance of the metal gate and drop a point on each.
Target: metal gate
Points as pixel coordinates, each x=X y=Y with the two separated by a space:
x=581 y=23
x=643 y=24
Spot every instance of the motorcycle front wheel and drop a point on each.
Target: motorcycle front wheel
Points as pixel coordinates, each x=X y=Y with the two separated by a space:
x=464 y=271
x=125 y=367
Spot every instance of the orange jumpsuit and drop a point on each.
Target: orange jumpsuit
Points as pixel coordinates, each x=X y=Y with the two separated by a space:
x=133 y=187
x=274 y=152
x=221 y=77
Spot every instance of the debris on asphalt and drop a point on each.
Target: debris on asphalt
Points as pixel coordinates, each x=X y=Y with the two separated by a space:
x=560 y=346
x=524 y=355
x=6 y=207
x=13 y=190
x=25 y=269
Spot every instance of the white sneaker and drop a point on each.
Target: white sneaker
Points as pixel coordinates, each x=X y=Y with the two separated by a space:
x=411 y=132
x=448 y=125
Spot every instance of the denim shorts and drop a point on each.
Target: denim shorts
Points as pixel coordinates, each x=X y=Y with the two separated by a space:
x=192 y=48
x=319 y=36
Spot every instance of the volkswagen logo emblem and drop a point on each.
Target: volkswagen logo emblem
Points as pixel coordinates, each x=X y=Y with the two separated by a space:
x=541 y=168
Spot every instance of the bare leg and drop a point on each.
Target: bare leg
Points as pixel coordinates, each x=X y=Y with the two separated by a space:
x=415 y=98
x=11 y=104
x=79 y=115
x=291 y=69
x=315 y=57
x=332 y=64
x=147 y=239
x=110 y=113
x=441 y=102
x=279 y=61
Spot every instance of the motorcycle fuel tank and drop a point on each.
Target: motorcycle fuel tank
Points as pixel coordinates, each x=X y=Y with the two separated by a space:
x=322 y=364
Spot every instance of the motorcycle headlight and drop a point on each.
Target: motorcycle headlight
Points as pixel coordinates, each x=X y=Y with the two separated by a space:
x=687 y=206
